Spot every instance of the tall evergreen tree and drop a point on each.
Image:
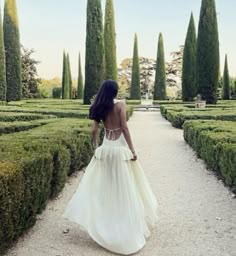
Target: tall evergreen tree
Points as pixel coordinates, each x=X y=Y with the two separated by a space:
x=3 y=83
x=65 y=79
x=160 y=78
x=12 y=48
x=189 y=88
x=80 y=82
x=226 y=81
x=63 y=75
x=70 y=76
x=94 y=60
x=135 y=93
x=208 y=52
x=110 y=42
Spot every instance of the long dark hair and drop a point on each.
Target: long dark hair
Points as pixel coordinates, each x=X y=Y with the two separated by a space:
x=104 y=101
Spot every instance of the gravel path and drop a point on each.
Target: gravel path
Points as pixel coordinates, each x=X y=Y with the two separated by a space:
x=197 y=213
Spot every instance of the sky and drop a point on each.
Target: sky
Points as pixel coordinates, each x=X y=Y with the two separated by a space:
x=49 y=26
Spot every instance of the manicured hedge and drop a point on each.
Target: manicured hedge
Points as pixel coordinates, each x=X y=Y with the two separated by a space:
x=34 y=165
x=133 y=102
x=44 y=102
x=14 y=116
x=166 y=102
x=12 y=127
x=177 y=115
x=45 y=111
x=214 y=142
x=67 y=112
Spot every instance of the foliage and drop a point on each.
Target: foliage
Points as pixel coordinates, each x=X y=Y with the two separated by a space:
x=160 y=78
x=133 y=102
x=56 y=92
x=215 y=142
x=34 y=166
x=80 y=86
x=135 y=80
x=189 y=89
x=233 y=88
x=65 y=78
x=208 y=52
x=46 y=86
x=46 y=110
x=110 y=42
x=94 y=60
x=226 y=81
x=13 y=54
x=178 y=114
x=70 y=76
x=18 y=126
x=30 y=81
x=27 y=116
x=3 y=82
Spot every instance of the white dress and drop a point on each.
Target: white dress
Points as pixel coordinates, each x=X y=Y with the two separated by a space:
x=114 y=201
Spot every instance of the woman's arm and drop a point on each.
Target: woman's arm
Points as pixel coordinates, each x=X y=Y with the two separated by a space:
x=125 y=130
x=94 y=133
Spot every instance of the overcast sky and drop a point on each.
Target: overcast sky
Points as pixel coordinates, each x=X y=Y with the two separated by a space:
x=49 y=26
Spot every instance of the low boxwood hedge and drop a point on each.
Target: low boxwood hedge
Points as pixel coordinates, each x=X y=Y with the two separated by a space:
x=13 y=116
x=167 y=102
x=178 y=115
x=215 y=143
x=65 y=112
x=133 y=102
x=11 y=127
x=34 y=165
x=62 y=113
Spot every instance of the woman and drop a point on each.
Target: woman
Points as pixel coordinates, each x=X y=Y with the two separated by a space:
x=114 y=200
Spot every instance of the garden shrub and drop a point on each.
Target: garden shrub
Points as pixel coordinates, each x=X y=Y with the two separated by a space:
x=33 y=167
x=56 y=92
x=215 y=143
x=18 y=126
x=133 y=102
x=177 y=115
x=13 y=116
x=62 y=113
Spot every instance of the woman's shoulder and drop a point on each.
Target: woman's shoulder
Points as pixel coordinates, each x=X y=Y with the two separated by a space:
x=119 y=102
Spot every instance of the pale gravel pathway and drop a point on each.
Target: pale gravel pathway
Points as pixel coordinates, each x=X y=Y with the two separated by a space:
x=197 y=213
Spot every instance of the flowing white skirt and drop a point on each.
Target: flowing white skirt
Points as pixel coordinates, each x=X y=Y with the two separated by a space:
x=114 y=201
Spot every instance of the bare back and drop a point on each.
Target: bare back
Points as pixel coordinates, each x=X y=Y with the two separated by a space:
x=113 y=122
x=115 y=125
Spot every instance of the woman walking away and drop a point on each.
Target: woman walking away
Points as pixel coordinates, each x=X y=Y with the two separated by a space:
x=114 y=201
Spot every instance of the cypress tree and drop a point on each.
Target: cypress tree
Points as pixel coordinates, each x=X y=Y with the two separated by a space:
x=70 y=76
x=65 y=78
x=189 y=89
x=94 y=60
x=208 y=52
x=110 y=42
x=3 y=83
x=135 y=80
x=226 y=81
x=12 y=48
x=160 y=78
x=63 y=75
x=80 y=82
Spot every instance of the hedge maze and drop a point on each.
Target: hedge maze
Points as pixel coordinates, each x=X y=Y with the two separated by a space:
x=211 y=132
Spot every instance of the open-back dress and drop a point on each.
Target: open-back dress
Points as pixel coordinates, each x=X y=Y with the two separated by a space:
x=114 y=201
